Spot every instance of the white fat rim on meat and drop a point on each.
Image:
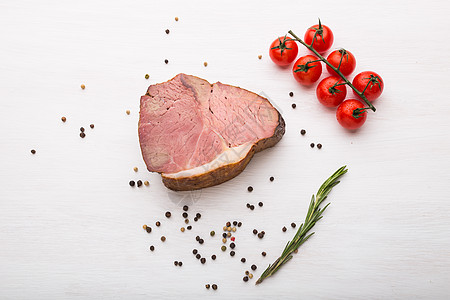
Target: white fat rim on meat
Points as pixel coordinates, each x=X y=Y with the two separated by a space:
x=229 y=156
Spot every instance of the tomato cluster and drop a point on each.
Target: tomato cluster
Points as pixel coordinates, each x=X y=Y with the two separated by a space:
x=332 y=90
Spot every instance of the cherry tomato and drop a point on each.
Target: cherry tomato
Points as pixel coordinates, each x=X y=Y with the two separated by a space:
x=307 y=69
x=329 y=93
x=283 y=51
x=369 y=82
x=343 y=60
x=323 y=37
x=348 y=117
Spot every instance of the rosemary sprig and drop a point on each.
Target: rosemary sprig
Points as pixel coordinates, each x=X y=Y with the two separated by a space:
x=314 y=214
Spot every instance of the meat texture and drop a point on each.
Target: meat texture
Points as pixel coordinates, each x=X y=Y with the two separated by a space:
x=197 y=134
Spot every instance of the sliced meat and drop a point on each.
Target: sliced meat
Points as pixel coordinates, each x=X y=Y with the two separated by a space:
x=198 y=134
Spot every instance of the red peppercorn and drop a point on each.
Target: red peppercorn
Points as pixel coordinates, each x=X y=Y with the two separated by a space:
x=233 y=238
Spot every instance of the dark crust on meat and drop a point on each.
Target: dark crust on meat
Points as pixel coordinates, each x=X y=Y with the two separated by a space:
x=229 y=171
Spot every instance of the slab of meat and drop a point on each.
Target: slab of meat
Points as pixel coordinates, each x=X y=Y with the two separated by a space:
x=198 y=134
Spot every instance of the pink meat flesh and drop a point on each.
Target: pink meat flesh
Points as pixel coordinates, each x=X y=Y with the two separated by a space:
x=186 y=122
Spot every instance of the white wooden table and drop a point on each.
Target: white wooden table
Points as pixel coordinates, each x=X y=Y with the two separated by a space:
x=70 y=226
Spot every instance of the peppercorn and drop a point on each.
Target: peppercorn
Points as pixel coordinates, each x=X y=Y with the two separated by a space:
x=135 y=169
x=152 y=248
x=128 y=111
x=167 y=31
x=253 y=267
x=176 y=19
x=250 y=189
x=147 y=76
x=296 y=251
x=158 y=223
x=233 y=229
x=180 y=263
x=312 y=145
x=260 y=204
x=228 y=228
x=189 y=227
x=223 y=248
x=243 y=260
x=260 y=235
x=263 y=232
x=82 y=129
x=247 y=272
x=203 y=260
x=293 y=225
x=185 y=208
x=182 y=229
x=185 y=215
x=271 y=178
x=255 y=231
x=198 y=215
x=234 y=223
x=144 y=226
x=291 y=94
x=163 y=238
x=195 y=219
x=213 y=257
x=175 y=263
x=201 y=241
x=233 y=238
x=224 y=240
x=284 y=228
x=63 y=119
x=197 y=238
x=205 y=64
x=239 y=224
x=82 y=86
x=139 y=183
x=228 y=234
x=259 y=56
x=303 y=132
x=132 y=183
x=146 y=183
x=206 y=285
x=250 y=275
x=248 y=205
x=82 y=135
x=245 y=278
x=92 y=126
x=232 y=245
x=252 y=207
x=198 y=256
x=33 y=151
x=228 y=224
x=148 y=229
x=232 y=253
x=263 y=253
x=195 y=251
x=319 y=146
x=294 y=105
x=166 y=61
x=224 y=234
x=186 y=221
x=212 y=233
x=225 y=228
x=214 y=286
x=168 y=214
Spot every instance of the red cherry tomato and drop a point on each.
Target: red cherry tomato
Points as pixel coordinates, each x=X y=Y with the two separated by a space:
x=348 y=117
x=370 y=83
x=322 y=36
x=329 y=93
x=343 y=60
x=283 y=51
x=307 y=69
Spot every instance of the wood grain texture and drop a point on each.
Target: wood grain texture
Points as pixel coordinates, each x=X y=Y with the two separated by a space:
x=71 y=227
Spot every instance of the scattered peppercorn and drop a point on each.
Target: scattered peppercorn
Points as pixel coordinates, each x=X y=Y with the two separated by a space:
x=293 y=225
x=195 y=251
x=189 y=227
x=260 y=235
x=260 y=204
x=144 y=226
x=239 y=224
x=224 y=240
x=167 y=31
x=203 y=260
x=82 y=86
x=197 y=238
x=248 y=205
x=234 y=223
x=201 y=241
x=232 y=253
x=228 y=234
x=213 y=257
x=186 y=221
x=303 y=132
x=166 y=61
x=228 y=228
x=255 y=231
x=254 y=267
x=185 y=208
x=263 y=253
x=250 y=189
x=291 y=94
x=147 y=76
x=228 y=224
x=214 y=286
x=247 y=272
x=82 y=129
x=271 y=178
x=212 y=233
x=182 y=229
x=139 y=183
x=168 y=214
x=175 y=263
x=243 y=260
x=180 y=263
x=146 y=183
x=223 y=248
x=252 y=207
x=158 y=223
x=284 y=228
x=224 y=234
x=82 y=134
x=132 y=183
x=296 y=251
x=294 y=105
x=185 y=215
x=233 y=229
x=206 y=285
x=163 y=238
x=152 y=248
x=195 y=219
x=92 y=126
x=63 y=119
x=232 y=245
x=198 y=256
x=205 y=64
x=135 y=169
x=176 y=19
x=312 y=145
x=128 y=111
x=319 y=146
x=259 y=56
x=245 y=278
x=148 y=229
x=33 y=151
x=250 y=275
x=198 y=215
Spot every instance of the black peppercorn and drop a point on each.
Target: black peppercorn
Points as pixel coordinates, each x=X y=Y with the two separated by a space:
x=224 y=235
x=214 y=286
x=149 y=229
x=248 y=205
x=198 y=215
x=319 y=146
x=175 y=263
x=294 y=105
x=228 y=224
x=82 y=135
x=255 y=231
x=189 y=227
x=195 y=251
x=185 y=208
x=180 y=263
x=250 y=189
x=166 y=61
x=234 y=223
x=158 y=223
x=239 y=224
x=260 y=204
x=212 y=233
x=263 y=253
x=232 y=253
x=252 y=207
x=201 y=241
x=245 y=278
x=195 y=219
x=152 y=248
x=243 y=260
x=33 y=151
x=291 y=94
x=260 y=235
x=197 y=238
x=293 y=225
x=271 y=178
x=253 y=267
x=132 y=183
x=198 y=256
x=232 y=245
x=207 y=286
x=312 y=145
x=139 y=183
x=203 y=260
x=185 y=215
x=167 y=31
x=168 y=214
x=284 y=228
x=213 y=257
x=82 y=129
x=163 y=238
x=303 y=132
